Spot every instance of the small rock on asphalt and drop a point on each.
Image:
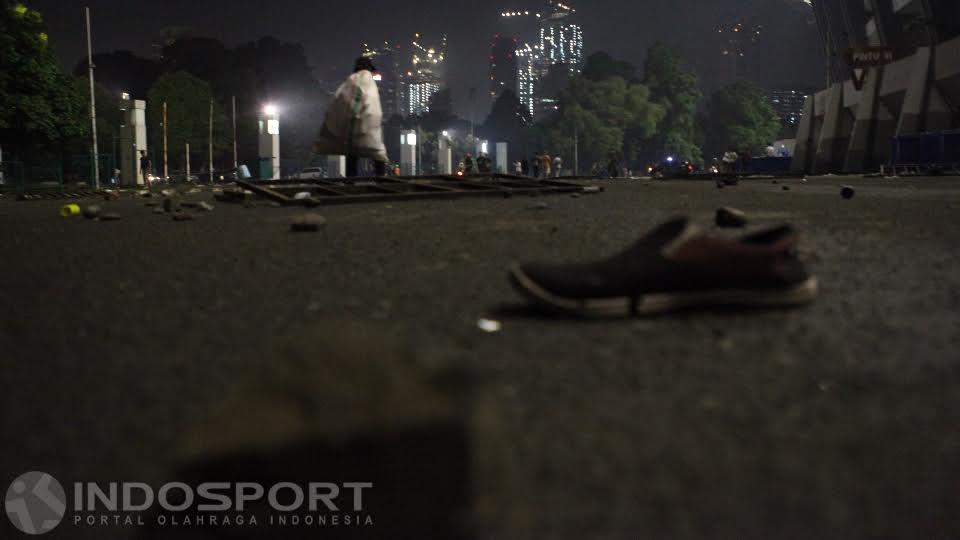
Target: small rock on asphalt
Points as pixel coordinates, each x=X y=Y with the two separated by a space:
x=786 y=188
x=159 y=211
x=91 y=212
x=205 y=206
x=730 y=217
x=307 y=223
x=592 y=189
x=847 y=192
x=171 y=205
x=111 y=196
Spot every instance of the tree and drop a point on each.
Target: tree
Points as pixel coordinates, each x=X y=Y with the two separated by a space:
x=109 y=117
x=678 y=91
x=611 y=116
x=601 y=66
x=40 y=103
x=188 y=109
x=122 y=71
x=507 y=122
x=740 y=116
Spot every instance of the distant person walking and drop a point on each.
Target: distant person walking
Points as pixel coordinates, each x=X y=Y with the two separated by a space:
x=535 y=162
x=354 y=123
x=545 y=164
x=146 y=166
x=557 y=166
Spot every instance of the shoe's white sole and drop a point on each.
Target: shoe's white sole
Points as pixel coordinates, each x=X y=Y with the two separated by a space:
x=653 y=304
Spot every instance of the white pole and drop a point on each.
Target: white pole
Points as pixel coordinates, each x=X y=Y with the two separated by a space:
x=166 y=171
x=576 y=151
x=235 y=164
x=93 y=107
x=210 y=148
x=187 y=179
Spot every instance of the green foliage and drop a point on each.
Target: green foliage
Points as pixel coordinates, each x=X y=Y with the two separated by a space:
x=601 y=66
x=188 y=114
x=109 y=116
x=40 y=103
x=740 y=116
x=611 y=116
x=678 y=91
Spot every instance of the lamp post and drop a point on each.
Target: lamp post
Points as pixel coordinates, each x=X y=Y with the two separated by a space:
x=269 y=127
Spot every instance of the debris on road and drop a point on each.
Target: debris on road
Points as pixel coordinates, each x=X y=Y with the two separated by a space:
x=847 y=192
x=183 y=217
x=110 y=195
x=302 y=196
x=592 y=189
x=92 y=212
x=205 y=206
x=70 y=210
x=171 y=205
x=539 y=206
x=786 y=188
x=109 y=216
x=728 y=217
x=159 y=211
x=489 y=326
x=307 y=223
x=169 y=193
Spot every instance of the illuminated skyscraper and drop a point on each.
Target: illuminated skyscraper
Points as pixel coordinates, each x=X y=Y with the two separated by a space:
x=386 y=58
x=561 y=39
x=503 y=65
x=545 y=40
x=425 y=77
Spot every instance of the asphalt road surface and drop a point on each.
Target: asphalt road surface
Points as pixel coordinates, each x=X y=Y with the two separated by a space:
x=837 y=420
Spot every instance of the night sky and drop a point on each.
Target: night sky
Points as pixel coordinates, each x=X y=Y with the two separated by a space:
x=331 y=32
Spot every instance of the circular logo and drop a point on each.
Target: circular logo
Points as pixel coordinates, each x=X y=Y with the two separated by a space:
x=36 y=503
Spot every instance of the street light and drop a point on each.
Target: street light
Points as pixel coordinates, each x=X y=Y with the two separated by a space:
x=270 y=110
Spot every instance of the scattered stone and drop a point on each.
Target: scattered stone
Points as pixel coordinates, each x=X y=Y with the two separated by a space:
x=92 y=212
x=489 y=326
x=151 y=203
x=171 y=205
x=159 y=211
x=110 y=216
x=786 y=188
x=205 y=206
x=575 y=196
x=189 y=204
x=302 y=196
x=592 y=189
x=720 y=184
x=183 y=217
x=274 y=204
x=110 y=196
x=145 y=193
x=308 y=223
x=169 y=193
x=847 y=192
x=803 y=180
x=539 y=206
x=775 y=182
x=728 y=217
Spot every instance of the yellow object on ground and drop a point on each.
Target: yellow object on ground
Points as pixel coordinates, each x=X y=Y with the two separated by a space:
x=70 y=210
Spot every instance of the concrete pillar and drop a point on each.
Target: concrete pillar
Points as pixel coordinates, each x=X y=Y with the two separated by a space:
x=503 y=166
x=133 y=140
x=408 y=153
x=336 y=166
x=872 y=129
x=833 y=141
x=805 y=148
x=269 y=128
x=444 y=155
x=924 y=108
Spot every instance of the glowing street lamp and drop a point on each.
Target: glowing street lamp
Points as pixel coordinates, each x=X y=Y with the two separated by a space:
x=269 y=128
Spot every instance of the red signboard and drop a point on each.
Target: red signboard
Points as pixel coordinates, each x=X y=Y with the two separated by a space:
x=863 y=58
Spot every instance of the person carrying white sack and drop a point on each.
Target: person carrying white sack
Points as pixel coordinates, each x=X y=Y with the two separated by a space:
x=353 y=126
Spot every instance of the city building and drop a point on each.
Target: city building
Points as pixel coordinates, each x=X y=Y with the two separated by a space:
x=847 y=126
x=504 y=67
x=425 y=76
x=545 y=41
x=561 y=38
x=386 y=58
x=788 y=102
